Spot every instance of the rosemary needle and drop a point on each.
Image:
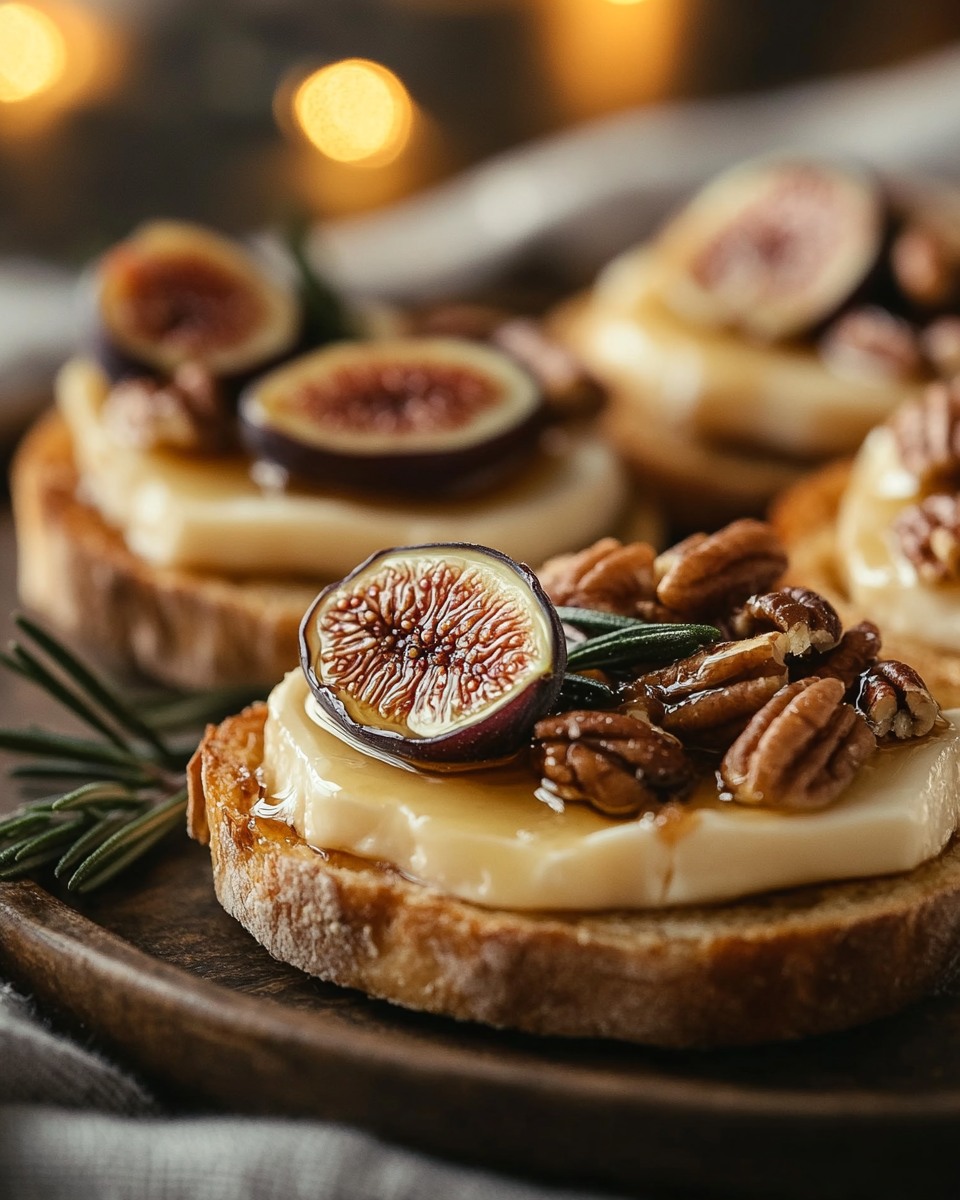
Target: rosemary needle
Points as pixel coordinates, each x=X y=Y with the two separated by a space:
x=128 y=844
x=98 y=690
x=114 y=796
x=580 y=691
x=643 y=643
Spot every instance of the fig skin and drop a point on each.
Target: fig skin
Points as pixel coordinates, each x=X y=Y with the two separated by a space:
x=424 y=462
x=144 y=327
x=480 y=738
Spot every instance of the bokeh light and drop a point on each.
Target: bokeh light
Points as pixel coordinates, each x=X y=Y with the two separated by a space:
x=32 y=52
x=354 y=111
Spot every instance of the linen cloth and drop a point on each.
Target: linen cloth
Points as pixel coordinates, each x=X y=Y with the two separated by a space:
x=74 y=1125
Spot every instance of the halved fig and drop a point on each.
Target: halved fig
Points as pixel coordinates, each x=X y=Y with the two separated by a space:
x=444 y=653
x=772 y=248
x=175 y=293
x=406 y=414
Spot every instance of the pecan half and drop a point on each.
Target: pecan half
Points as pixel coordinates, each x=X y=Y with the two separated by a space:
x=808 y=620
x=941 y=344
x=569 y=391
x=926 y=266
x=927 y=433
x=871 y=343
x=929 y=536
x=710 y=696
x=800 y=750
x=708 y=574
x=567 y=387
x=607 y=575
x=188 y=412
x=856 y=650
x=616 y=763
x=895 y=701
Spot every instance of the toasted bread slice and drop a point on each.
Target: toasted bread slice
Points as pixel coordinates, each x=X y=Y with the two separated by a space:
x=805 y=517
x=180 y=627
x=780 y=966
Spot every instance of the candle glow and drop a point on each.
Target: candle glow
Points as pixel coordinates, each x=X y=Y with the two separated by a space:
x=354 y=111
x=32 y=52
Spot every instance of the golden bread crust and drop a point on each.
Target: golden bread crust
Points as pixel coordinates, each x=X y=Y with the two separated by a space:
x=180 y=627
x=805 y=517
x=806 y=961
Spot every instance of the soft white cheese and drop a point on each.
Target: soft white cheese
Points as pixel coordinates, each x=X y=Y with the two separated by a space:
x=485 y=837
x=210 y=514
x=879 y=578
x=715 y=382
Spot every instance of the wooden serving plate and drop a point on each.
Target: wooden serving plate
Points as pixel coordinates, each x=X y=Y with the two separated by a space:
x=175 y=988
x=169 y=984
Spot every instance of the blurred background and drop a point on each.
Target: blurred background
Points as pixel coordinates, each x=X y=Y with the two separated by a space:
x=242 y=112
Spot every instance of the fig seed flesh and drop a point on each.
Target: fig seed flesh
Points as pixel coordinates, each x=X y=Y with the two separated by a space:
x=435 y=653
x=175 y=293
x=407 y=414
x=772 y=248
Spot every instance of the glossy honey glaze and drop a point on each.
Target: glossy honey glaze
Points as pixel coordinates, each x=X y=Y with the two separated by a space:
x=485 y=836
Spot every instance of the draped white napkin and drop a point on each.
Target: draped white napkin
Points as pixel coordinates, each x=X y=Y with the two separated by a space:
x=76 y=1127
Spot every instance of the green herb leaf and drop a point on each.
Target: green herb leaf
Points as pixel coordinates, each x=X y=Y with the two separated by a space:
x=94 y=686
x=128 y=844
x=591 y=620
x=190 y=711
x=97 y=794
x=118 y=795
x=85 y=845
x=579 y=691
x=42 y=741
x=325 y=316
x=50 y=770
x=654 y=643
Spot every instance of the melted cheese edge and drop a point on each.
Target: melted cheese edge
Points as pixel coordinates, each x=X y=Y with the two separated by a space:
x=485 y=837
x=715 y=383
x=211 y=514
x=878 y=577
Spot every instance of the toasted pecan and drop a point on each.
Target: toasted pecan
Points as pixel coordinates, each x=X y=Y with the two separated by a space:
x=619 y=764
x=928 y=533
x=608 y=575
x=927 y=434
x=185 y=413
x=707 y=575
x=708 y=697
x=895 y=701
x=856 y=650
x=800 y=750
x=807 y=620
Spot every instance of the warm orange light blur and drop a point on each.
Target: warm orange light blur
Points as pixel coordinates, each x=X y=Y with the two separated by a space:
x=33 y=54
x=624 y=2
x=354 y=111
x=603 y=56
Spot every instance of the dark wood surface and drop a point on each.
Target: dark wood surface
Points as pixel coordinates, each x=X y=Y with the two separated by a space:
x=162 y=978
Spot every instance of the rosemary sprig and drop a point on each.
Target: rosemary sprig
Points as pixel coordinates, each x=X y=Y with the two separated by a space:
x=111 y=797
x=593 y=621
x=325 y=316
x=580 y=691
x=640 y=642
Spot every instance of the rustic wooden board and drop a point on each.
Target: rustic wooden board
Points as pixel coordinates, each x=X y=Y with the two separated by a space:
x=166 y=981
